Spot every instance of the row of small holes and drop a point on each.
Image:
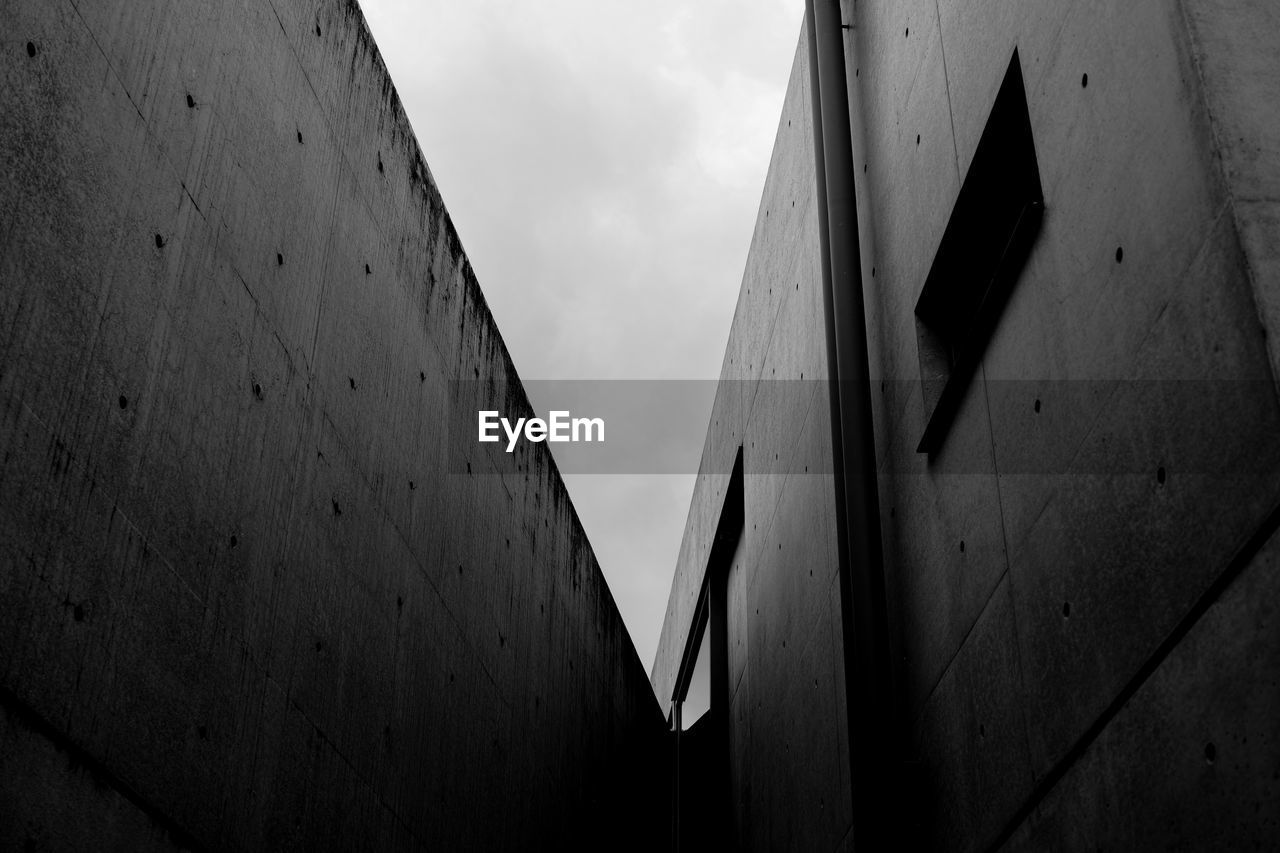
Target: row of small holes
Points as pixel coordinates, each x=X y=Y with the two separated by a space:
x=279 y=257
x=380 y=168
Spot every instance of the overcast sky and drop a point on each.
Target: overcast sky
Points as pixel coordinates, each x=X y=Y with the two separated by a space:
x=603 y=163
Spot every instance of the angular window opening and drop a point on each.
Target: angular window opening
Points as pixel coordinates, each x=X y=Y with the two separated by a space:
x=701 y=784
x=697 y=699
x=986 y=243
x=692 y=697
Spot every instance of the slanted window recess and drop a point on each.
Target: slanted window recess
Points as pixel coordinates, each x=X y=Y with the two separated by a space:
x=693 y=683
x=985 y=245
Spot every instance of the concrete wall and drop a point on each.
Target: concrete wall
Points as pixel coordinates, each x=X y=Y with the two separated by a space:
x=789 y=761
x=1082 y=579
x=248 y=600
x=1100 y=506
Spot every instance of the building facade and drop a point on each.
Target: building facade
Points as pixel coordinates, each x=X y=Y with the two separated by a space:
x=1015 y=585
x=248 y=599
x=982 y=552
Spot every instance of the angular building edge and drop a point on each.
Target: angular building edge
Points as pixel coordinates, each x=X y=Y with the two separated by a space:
x=251 y=595
x=1081 y=578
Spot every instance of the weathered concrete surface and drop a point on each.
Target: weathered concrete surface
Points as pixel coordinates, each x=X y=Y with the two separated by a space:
x=1059 y=572
x=61 y=800
x=789 y=761
x=1190 y=762
x=1233 y=46
x=238 y=577
x=1026 y=603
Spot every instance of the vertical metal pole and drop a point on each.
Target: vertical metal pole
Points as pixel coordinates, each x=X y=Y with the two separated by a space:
x=865 y=623
x=675 y=784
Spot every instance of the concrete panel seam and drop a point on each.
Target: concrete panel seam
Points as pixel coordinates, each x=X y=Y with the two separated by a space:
x=1242 y=558
x=946 y=77
x=1007 y=575
x=100 y=772
x=355 y=771
x=120 y=82
x=942 y=674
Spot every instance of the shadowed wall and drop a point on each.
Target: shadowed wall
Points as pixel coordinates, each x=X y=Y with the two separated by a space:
x=245 y=600
x=1082 y=579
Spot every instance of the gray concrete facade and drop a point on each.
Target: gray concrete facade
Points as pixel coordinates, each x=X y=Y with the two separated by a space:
x=1082 y=579
x=246 y=603
x=251 y=599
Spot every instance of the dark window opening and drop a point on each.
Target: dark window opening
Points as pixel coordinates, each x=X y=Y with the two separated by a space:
x=697 y=698
x=692 y=698
x=700 y=701
x=986 y=243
